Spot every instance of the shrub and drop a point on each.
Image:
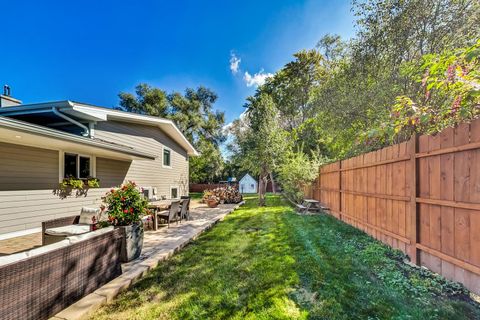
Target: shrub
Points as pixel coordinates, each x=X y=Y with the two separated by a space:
x=297 y=172
x=125 y=204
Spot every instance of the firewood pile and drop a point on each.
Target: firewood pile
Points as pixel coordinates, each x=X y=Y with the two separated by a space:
x=227 y=194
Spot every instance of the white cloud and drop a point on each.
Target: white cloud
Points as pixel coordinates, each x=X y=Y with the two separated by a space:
x=257 y=79
x=234 y=63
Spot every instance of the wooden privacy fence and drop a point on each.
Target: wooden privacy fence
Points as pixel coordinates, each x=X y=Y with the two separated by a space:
x=420 y=196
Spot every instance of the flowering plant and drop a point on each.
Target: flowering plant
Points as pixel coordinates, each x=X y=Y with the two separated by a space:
x=125 y=204
x=448 y=94
x=209 y=195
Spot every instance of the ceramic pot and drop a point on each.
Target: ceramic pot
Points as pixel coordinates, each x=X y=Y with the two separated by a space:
x=212 y=203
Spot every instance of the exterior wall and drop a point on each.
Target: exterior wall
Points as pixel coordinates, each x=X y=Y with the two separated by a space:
x=111 y=172
x=245 y=185
x=29 y=177
x=148 y=173
x=26 y=168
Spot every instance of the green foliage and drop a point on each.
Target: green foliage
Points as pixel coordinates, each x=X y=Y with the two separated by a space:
x=295 y=173
x=365 y=75
x=259 y=142
x=125 y=204
x=74 y=183
x=194 y=115
x=208 y=167
x=290 y=88
x=93 y=183
x=449 y=93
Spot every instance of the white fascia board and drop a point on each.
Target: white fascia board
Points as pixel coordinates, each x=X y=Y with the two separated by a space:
x=95 y=113
x=166 y=125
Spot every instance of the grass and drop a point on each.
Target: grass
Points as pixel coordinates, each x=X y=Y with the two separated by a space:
x=269 y=263
x=196 y=195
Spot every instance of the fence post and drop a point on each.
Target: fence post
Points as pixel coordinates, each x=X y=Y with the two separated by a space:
x=340 y=189
x=414 y=254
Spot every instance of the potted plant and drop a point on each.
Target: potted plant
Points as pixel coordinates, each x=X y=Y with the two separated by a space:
x=210 y=199
x=126 y=206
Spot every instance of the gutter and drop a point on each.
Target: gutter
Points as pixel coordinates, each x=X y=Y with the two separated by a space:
x=47 y=132
x=86 y=131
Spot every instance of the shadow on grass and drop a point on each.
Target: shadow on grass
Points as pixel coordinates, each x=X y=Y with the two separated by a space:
x=269 y=263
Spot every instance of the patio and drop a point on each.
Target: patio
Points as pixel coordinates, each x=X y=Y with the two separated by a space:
x=158 y=246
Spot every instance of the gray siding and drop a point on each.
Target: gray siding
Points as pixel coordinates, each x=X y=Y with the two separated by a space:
x=27 y=168
x=29 y=176
x=112 y=173
x=148 y=173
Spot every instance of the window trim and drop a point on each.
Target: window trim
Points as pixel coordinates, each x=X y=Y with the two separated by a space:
x=178 y=192
x=61 y=164
x=163 y=157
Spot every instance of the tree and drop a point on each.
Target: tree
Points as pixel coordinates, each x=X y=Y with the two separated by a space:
x=291 y=87
x=194 y=115
x=259 y=140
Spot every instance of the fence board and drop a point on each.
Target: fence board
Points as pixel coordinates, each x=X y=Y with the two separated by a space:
x=420 y=196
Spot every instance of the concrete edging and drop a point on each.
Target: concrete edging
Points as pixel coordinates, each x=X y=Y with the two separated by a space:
x=107 y=293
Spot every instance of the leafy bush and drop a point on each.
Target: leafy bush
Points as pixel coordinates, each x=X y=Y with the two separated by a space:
x=125 y=204
x=449 y=93
x=296 y=172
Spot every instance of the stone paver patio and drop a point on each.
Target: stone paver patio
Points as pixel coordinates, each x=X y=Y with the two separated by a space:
x=158 y=246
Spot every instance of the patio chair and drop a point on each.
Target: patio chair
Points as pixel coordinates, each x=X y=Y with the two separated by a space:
x=170 y=214
x=185 y=202
x=58 y=229
x=184 y=209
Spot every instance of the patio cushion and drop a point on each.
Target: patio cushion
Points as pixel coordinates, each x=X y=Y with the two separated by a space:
x=11 y=258
x=89 y=215
x=70 y=230
x=81 y=237
x=47 y=248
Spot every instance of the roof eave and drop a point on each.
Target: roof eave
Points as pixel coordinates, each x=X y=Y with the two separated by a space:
x=51 y=133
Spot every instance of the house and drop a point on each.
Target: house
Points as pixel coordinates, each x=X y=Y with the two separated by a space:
x=248 y=184
x=41 y=144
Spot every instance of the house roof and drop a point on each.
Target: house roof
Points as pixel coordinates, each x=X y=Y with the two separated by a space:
x=96 y=113
x=247 y=176
x=25 y=133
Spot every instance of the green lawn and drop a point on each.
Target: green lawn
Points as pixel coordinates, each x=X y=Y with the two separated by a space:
x=196 y=195
x=269 y=263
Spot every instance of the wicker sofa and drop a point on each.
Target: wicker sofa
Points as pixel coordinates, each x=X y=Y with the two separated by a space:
x=39 y=283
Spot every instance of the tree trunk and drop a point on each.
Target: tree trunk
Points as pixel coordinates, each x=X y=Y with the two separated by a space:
x=262 y=187
x=274 y=188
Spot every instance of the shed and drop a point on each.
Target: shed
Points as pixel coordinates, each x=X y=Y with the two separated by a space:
x=248 y=184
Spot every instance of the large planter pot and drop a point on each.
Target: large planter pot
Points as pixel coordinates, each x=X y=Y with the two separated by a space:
x=132 y=242
x=212 y=203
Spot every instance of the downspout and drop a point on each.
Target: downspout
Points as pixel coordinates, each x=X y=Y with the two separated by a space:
x=86 y=131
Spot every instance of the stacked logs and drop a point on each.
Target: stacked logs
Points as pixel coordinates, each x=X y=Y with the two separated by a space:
x=227 y=194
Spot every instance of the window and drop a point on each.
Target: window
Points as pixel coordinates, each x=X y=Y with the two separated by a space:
x=77 y=166
x=166 y=157
x=174 y=192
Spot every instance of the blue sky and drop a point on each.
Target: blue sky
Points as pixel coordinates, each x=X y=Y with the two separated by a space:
x=89 y=51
